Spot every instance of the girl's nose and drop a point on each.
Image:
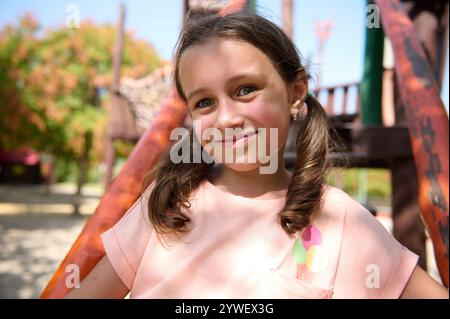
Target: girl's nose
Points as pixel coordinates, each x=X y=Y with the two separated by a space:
x=228 y=115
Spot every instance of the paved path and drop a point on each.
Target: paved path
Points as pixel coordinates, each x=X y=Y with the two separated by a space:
x=31 y=248
x=37 y=229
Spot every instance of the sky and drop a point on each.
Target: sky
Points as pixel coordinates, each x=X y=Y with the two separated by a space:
x=159 y=23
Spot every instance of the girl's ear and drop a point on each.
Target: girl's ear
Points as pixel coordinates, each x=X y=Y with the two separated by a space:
x=297 y=95
x=298 y=90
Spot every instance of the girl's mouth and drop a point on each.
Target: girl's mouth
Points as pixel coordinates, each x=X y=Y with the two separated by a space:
x=235 y=138
x=238 y=140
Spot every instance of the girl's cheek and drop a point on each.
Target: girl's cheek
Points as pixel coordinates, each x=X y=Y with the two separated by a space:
x=199 y=127
x=269 y=116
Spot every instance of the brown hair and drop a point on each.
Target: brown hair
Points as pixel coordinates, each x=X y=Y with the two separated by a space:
x=174 y=182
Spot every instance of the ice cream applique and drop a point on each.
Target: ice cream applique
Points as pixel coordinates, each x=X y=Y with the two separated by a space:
x=309 y=253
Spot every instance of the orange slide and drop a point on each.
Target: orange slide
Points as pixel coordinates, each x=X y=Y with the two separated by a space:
x=121 y=194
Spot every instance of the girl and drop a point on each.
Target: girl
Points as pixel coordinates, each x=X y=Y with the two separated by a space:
x=223 y=229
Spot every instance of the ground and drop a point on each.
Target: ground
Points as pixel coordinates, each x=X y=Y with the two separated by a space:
x=37 y=229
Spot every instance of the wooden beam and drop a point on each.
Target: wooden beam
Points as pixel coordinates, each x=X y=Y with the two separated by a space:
x=288 y=8
x=428 y=126
x=117 y=58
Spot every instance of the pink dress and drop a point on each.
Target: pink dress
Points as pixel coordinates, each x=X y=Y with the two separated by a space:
x=237 y=249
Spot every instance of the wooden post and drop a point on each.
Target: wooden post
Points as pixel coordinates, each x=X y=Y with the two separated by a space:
x=83 y=169
x=408 y=226
x=110 y=160
x=117 y=63
x=344 y=99
x=428 y=126
x=117 y=58
x=288 y=8
x=387 y=104
x=330 y=101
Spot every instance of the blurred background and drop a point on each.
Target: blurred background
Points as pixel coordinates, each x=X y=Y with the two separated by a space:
x=63 y=139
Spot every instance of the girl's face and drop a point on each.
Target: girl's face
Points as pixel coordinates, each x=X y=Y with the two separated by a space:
x=232 y=84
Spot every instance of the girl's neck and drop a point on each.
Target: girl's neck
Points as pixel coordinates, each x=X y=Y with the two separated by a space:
x=252 y=183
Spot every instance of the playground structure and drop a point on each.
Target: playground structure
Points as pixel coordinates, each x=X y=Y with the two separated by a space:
x=416 y=146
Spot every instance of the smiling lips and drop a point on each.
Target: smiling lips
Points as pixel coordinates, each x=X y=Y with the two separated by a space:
x=235 y=138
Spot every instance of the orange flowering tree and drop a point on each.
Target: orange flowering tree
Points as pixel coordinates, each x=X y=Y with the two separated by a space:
x=53 y=84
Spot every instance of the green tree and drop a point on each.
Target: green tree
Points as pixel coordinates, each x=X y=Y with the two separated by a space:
x=54 y=82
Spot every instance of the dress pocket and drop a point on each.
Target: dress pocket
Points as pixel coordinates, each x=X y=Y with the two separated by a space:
x=280 y=286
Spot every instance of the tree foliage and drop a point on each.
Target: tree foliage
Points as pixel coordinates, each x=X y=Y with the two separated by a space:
x=54 y=82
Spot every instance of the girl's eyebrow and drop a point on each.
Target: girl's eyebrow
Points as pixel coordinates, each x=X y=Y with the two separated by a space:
x=232 y=79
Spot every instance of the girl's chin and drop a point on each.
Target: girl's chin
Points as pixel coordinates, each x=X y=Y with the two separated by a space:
x=242 y=167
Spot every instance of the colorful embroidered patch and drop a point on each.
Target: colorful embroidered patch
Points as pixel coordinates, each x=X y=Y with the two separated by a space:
x=308 y=252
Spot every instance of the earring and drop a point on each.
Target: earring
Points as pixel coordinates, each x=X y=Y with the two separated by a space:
x=295 y=115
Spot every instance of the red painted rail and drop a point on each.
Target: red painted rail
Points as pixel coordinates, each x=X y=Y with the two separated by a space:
x=428 y=126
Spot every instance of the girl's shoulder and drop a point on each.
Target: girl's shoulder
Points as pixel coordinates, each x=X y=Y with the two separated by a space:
x=338 y=203
x=334 y=195
x=343 y=214
x=372 y=263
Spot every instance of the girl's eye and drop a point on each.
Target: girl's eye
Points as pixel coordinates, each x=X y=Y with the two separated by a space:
x=208 y=102
x=247 y=89
x=202 y=103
